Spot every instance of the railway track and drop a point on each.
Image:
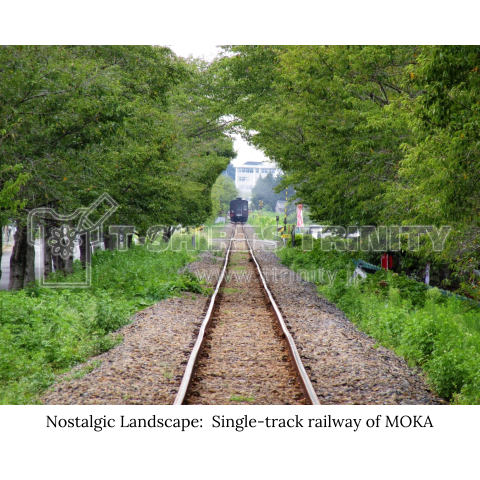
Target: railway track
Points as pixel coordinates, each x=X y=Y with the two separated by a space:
x=243 y=351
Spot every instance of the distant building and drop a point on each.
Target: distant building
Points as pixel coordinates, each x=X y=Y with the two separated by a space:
x=247 y=175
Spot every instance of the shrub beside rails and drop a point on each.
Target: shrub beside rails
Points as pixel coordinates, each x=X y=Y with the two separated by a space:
x=432 y=329
x=46 y=331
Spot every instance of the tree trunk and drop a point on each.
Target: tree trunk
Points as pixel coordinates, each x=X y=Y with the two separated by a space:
x=63 y=266
x=68 y=265
x=47 y=253
x=83 y=249
x=57 y=263
x=129 y=240
x=18 y=260
x=30 y=266
x=109 y=241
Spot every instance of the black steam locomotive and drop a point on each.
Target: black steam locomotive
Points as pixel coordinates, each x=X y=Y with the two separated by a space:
x=239 y=210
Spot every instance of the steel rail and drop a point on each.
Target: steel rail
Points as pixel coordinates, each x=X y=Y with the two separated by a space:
x=306 y=384
x=187 y=376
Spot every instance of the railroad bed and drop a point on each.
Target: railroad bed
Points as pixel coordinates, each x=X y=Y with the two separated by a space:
x=249 y=361
x=243 y=352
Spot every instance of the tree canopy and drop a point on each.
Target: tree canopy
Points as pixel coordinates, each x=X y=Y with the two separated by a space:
x=130 y=121
x=224 y=190
x=367 y=135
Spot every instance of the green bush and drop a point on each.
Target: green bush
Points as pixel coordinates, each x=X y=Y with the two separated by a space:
x=439 y=333
x=44 y=331
x=298 y=240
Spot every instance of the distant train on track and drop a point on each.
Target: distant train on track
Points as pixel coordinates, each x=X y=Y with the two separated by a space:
x=239 y=210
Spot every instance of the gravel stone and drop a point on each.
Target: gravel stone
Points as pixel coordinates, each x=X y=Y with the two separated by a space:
x=147 y=367
x=344 y=364
x=245 y=357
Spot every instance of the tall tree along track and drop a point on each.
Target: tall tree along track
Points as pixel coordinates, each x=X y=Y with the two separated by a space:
x=243 y=351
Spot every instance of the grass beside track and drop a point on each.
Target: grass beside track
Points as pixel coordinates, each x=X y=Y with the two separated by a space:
x=46 y=331
x=440 y=334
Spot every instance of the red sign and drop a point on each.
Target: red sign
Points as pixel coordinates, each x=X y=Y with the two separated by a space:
x=299 y=215
x=387 y=261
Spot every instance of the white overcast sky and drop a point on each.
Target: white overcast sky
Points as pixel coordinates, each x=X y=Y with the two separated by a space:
x=246 y=153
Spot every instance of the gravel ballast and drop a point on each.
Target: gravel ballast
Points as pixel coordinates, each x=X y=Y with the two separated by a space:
x=345 y=365
x=147 y=367
x=245 y=357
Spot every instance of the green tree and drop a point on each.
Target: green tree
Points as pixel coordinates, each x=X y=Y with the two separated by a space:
x=322 y=114
x=82 y=121
x=86 y=120
x=9 y=190
x=441 y=169
x=203 y=148
x=223 y=192
x=264 y=190
x=8 y=202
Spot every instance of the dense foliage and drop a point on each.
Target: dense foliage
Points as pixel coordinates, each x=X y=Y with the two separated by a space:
x=129 y=121
x=45 y=331
x=368 y=135
x=264 y=191
x=135 y=122
x=223 y=191
x=441 y=334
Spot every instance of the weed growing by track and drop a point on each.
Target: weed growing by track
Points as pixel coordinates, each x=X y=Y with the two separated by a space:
x=440 y=334
x=45 y=331
x=232 y=291
x=81 y=372
x=242 y=398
